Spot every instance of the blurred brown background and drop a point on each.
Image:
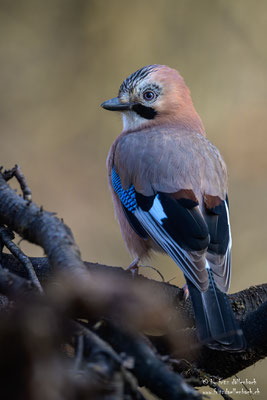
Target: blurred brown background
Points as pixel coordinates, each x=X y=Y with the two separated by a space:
x=60 y=59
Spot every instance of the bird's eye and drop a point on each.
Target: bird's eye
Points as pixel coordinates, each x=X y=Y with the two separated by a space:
x=148 y=95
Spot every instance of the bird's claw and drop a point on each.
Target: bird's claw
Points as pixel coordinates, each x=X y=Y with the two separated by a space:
x=134 y=267
x=186 y=292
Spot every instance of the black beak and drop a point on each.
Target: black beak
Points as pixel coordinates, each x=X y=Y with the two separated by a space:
x=116 y=105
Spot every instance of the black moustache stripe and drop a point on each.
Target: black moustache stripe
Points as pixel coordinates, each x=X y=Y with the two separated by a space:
x=144 y=112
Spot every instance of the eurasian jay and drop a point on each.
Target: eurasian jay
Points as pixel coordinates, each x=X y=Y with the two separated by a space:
x=169 y=189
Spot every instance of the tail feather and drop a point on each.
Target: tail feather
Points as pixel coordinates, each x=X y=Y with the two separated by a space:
x=216 y=325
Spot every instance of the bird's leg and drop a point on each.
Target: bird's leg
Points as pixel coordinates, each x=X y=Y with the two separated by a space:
x=134 y=267
x=186 y=292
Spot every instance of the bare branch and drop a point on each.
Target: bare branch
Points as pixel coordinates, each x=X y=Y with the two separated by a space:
x=111 y=355
x=148 y=368
x=17 y=173
x=39 y=227
x=6 y=238
x=79 y=352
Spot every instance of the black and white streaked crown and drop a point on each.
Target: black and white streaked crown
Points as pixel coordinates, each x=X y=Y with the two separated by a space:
x=132 y=80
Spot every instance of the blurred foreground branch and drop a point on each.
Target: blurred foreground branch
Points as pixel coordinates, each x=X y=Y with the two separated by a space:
x=84 y=336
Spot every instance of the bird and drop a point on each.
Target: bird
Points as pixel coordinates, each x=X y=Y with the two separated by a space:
x=169 y=187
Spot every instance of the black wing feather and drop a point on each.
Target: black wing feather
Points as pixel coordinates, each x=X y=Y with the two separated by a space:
x=135 y=224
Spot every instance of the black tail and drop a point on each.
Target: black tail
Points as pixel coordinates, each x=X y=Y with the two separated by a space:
x=216 y=325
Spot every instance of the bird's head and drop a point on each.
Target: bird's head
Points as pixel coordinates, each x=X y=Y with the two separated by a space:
x=155 y=94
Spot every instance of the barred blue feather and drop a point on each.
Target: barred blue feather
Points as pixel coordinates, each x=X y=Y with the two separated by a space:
x=127 y=197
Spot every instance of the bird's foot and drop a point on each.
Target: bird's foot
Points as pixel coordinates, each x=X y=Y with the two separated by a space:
x=134 y=267
x=186 y=292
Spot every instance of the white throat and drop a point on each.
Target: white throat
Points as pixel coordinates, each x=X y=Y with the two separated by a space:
x=132 y=121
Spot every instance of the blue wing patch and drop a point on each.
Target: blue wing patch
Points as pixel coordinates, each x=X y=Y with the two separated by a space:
x=127 y=197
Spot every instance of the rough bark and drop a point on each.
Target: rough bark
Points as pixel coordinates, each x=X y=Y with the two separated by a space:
x=114 y=311
x=249 y=306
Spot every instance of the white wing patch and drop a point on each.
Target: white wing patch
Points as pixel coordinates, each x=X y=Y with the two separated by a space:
x=207 y=266
x=222 y=267
x=157 y=211
x=228 y=220
x=152 y=222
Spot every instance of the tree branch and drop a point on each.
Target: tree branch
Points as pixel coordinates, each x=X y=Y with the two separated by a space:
x=128 y=307
x=39 y=227
x=6 y=238
x=247 y=305
x=46 y=230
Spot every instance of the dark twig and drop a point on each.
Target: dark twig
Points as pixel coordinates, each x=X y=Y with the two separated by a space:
x=209 y=382
x=17 y=173
x=219 y=390
x=95 y=348
x=214 y=362
x=246 y=388
x=195 y=377
x=13 y=286
x=150 y=371
x=102 y=361
x=39 y=227
x=79 y=352
x=44 y=229
x=6 y=238
x=154 y=269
